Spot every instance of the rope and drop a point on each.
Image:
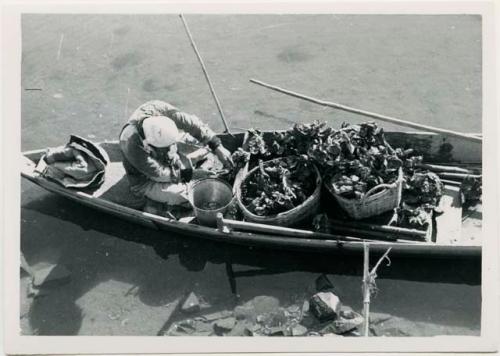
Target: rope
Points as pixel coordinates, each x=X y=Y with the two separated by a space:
x=372 y=285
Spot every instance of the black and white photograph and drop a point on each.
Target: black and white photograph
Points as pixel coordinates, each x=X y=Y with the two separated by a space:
x=285 y=176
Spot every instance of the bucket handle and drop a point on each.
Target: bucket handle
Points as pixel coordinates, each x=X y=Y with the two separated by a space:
x=377 y=189
x=192 y=184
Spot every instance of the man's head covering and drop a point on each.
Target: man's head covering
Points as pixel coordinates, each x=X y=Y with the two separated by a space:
x=160 y=131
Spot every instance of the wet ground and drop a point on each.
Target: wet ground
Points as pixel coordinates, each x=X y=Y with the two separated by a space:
x=92 y=71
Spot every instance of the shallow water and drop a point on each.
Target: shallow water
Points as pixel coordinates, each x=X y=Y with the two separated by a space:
x=93 y=71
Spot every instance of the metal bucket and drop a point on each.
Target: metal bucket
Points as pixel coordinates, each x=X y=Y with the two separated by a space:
x=208 y=197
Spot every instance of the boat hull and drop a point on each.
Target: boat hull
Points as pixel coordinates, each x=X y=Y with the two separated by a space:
x=258 y=240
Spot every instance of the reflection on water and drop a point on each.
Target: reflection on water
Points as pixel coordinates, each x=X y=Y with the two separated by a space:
x=124 y=277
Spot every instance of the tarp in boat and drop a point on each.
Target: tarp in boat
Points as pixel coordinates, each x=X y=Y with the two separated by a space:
x=64 y=168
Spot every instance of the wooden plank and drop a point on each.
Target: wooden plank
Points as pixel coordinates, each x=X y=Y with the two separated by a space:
x=472 y=226
x=27 y=166
x=449 y=223
x=437 y=148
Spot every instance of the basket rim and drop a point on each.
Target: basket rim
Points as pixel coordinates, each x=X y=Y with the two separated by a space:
x=316 y=191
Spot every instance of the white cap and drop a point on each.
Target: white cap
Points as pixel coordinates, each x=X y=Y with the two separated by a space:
x=160 y=131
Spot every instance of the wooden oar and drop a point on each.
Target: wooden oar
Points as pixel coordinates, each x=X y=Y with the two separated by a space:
x=444 y=169
x=223 y=224
x=370 y=114
x=212 y=90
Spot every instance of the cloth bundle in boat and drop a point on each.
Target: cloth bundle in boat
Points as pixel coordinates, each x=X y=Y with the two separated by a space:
x=78 y=164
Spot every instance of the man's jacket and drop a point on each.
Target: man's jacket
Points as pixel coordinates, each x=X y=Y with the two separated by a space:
x=140 y=161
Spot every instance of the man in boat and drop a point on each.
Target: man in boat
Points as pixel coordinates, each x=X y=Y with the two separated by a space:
x=156 y=173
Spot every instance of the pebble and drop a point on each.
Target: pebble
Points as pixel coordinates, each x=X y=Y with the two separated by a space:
x=257 y=306
x=224 y=325
x=240 y=329
x=377 y=318
x=201 y=328
x=35 y=292
x=342 y=325
x=275 y=331
x=346 y=312
x=299 y=330
x=185 y=327
x=305 y=307
x=253 y=329
x=243 y=312
x=323 y=283
x=325 y=305
x=58 y=96
x=329 y=334
x=277 y=318
x=191 y=304
x=217 y=315
x=395 y=332
x=265 y=304
x=50 y=275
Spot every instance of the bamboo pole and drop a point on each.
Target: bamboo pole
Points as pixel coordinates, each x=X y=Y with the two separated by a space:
x=373 y=115
x=457 y=176
x=391 y=230
x=205 y=72
x=368 y=280
x=226 y=225
x=444 y=169
x=451 y=182
x=366 y=288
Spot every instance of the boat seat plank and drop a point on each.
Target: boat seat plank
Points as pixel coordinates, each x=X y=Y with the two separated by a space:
x=115 y=187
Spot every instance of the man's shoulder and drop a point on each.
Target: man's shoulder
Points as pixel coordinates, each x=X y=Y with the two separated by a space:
x=158 y=104
x=130 y=133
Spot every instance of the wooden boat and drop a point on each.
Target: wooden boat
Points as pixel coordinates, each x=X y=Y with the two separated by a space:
x=454 y=236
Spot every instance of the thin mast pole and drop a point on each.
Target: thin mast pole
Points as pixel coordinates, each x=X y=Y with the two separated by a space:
x=212 y=90
x=370 y=114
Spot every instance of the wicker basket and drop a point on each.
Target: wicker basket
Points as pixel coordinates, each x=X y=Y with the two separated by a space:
x=379 y=199
x=295 y=216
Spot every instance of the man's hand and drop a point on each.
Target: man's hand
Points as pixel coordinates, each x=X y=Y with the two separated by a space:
x=224 y=156
x=198 y=155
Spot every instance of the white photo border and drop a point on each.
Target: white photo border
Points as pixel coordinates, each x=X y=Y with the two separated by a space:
x=15 y=343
